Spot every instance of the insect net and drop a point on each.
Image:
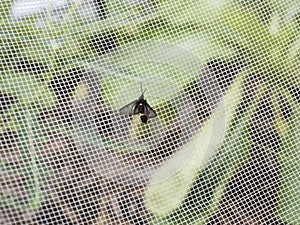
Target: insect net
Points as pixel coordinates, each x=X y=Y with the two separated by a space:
x=222 y=77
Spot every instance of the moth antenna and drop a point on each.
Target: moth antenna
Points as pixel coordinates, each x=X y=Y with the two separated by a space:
x=142 y=89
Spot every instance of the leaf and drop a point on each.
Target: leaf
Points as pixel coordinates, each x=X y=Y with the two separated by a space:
x=5 y=6
x=28 y=89
x=164 y=70
x=32 y=173
x=289 y=194
x=188 y=11
x=177 y=175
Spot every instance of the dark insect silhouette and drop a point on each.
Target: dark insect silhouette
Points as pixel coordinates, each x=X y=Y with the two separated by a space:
x=139 y=106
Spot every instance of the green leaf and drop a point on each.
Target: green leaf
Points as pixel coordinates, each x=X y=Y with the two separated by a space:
x=192 y=11
x=289 y=194
x=28 y=89
x=32 y=173
x=167 y=64
x=205 y=195
x=5 y=6
x=177 y=175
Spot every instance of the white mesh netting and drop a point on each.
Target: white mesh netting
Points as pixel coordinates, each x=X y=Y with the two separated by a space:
x=149 y=112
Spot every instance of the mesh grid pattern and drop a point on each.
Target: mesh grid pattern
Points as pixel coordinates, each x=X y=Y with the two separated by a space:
x=149 y=112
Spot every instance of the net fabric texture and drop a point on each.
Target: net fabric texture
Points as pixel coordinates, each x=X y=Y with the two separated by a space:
x=149 y=112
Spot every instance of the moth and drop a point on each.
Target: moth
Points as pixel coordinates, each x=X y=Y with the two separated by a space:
x=139 y=106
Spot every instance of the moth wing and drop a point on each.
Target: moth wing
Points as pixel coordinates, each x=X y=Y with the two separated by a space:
x=149 y=112
x=129 y=109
